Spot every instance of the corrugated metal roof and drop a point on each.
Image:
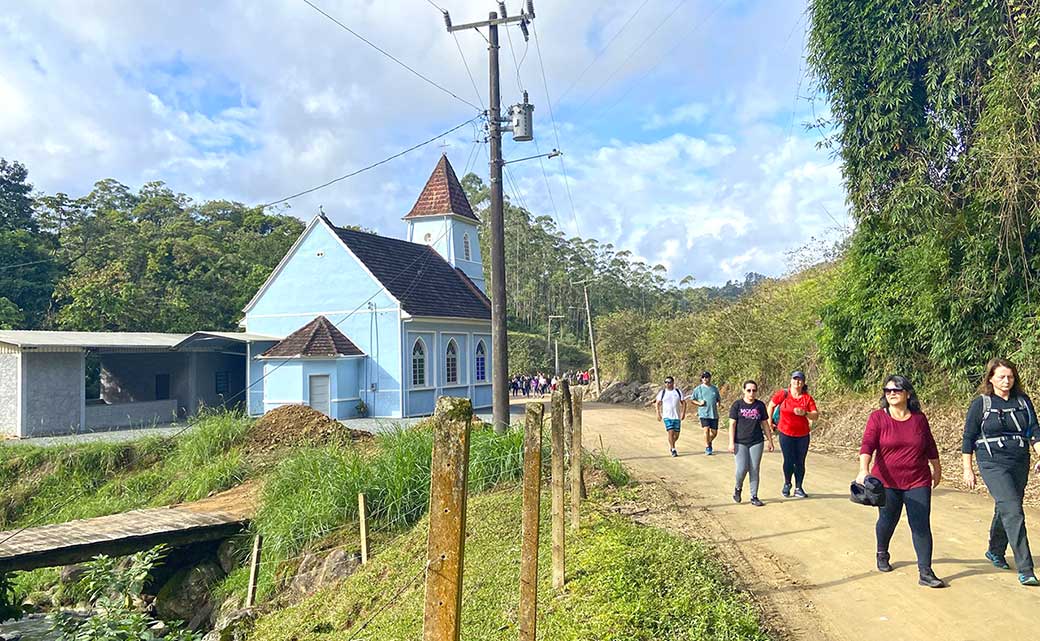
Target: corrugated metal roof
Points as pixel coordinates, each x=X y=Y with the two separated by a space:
x=28 y=338
x=241 y=337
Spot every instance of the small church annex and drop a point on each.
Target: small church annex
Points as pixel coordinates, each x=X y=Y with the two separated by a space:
x=349 y=323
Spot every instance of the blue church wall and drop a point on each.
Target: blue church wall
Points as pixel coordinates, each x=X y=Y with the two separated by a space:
x=286 y=383
x=439 y=232
x=436 y=334
x=322 y=278
x=283 y=384
x=255 y=376
x=347 y=392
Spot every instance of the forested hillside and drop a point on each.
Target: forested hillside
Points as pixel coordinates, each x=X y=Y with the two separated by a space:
x=118 y=260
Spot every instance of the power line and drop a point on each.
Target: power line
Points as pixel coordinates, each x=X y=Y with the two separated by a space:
x=373 y=165
x=686 y=36
x=601 y=52
x=31 y=262
x=556 y=131
x=633 y=52
x=465 y=64
x=390 y=55
x=512 y=52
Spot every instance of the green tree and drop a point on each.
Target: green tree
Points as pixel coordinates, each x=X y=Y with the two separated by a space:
x=27 y=267
x=936 y=118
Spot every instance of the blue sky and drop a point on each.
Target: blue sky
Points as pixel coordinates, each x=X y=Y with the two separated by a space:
x=684 y=142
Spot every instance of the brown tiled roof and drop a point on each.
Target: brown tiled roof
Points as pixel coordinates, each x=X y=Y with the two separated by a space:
x=417 y=276
x=443 y=194
x=315 y=339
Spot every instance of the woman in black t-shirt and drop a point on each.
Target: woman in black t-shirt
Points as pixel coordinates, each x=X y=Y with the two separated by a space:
x=748 y=431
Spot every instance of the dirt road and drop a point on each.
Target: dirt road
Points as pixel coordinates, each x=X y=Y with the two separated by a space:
x=811 y=561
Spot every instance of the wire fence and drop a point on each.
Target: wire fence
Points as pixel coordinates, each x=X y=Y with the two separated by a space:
x=492 y=574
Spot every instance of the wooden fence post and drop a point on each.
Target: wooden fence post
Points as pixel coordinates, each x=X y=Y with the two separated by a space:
x=577 y=479
x=254 y=571
x=531 y=512
x=558 y=489
x=445 y=547
x=363 y=523
x=568 y=417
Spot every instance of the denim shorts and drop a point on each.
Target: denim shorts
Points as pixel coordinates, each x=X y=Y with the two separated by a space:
x=671 y=424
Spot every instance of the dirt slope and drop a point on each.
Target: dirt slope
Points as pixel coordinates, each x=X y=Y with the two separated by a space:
x=811 y=562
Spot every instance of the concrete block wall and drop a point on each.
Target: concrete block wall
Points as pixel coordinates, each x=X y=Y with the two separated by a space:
x=54 y=389
x=9 y=406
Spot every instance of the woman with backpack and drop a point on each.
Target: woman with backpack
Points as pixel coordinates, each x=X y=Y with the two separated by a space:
x=999 y=430
x=899 y=441
x=791 y=410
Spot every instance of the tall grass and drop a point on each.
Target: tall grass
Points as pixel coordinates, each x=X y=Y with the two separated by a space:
x=56 y=484
x=617 y=474
x=314 y=491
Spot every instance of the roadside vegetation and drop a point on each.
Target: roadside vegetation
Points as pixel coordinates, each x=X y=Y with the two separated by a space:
x=625 y=581
x=55 y=484
x=310 y=499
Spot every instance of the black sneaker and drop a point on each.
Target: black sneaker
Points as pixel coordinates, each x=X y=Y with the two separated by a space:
x=882 y=562
x=786 y=489
x=756 y=502
x=736 y=495
x=800 y=493
x=929 y=580
x=674 y=453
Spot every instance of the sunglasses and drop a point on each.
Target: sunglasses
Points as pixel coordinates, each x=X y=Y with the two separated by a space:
x=894 y=390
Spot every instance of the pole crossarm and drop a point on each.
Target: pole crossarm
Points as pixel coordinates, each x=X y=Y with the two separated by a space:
x=487 y=23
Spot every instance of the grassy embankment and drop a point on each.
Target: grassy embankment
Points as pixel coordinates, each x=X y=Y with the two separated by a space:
x=625 y=581
x=310 y=493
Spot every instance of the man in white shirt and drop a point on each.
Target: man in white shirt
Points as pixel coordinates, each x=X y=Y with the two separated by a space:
x=671 y=409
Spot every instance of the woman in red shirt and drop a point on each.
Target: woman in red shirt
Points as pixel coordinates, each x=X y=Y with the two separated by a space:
x=797 y=408
x=906 y=462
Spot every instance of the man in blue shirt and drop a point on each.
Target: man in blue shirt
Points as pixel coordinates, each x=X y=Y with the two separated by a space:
x=707 y=399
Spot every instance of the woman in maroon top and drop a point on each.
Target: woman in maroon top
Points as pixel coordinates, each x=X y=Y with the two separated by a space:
x=906 y=461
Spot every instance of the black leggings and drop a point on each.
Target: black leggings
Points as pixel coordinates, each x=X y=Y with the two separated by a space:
x=795 y=449
x=918 y=503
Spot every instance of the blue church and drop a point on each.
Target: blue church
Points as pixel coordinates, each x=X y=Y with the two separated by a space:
x=350 y=323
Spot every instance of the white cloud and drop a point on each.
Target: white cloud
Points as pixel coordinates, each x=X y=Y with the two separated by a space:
x=693 y=113
x=255 y=101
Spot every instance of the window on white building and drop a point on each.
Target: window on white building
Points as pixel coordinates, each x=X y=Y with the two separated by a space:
x=419 y=364
x=451 y=362
x=481 y=365
x=465 y=247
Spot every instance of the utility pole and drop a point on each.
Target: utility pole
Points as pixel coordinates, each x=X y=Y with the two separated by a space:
x=592 y=337
x=499 y=337
x=548 y=334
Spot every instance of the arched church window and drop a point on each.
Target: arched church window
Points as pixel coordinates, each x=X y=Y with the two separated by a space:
x=481 y=364
x=451 y=362
x=419 y=364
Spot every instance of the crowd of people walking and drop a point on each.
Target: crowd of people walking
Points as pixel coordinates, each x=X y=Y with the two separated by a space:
x=899 y=465
x=540 y=384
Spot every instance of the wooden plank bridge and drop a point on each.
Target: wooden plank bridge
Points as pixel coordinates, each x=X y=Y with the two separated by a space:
x=213 y=519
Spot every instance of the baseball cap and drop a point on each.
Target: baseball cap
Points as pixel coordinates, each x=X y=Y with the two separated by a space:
x=705 y=374
x=798 y=374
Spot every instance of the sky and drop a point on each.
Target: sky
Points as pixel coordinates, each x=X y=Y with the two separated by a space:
x=683 y=123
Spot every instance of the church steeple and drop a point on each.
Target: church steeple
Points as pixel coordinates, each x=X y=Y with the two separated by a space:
x=443 y=195
x=443 y=218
